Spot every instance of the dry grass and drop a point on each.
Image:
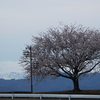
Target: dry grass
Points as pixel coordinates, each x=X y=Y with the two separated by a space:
x=44 y=99
x=60 y=92
x=71 y=92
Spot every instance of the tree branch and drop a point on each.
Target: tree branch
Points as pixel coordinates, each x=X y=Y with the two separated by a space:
x=89 y=69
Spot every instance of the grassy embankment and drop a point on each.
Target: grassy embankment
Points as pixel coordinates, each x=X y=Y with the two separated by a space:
x=71 y=92
x=61 y=92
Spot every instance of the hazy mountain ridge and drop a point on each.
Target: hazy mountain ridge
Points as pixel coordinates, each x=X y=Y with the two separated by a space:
x=49 y=85
x=12 y=75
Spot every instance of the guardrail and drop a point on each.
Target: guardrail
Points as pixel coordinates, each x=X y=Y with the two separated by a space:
x=69 y=96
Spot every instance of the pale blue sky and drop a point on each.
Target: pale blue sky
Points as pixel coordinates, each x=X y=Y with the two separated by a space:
x=20 y=19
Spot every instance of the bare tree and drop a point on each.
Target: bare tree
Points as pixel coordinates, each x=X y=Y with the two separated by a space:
x=70 y=51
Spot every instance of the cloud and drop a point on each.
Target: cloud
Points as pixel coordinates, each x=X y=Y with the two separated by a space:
x=20 y=19
x=7 y=67
x=27 y=16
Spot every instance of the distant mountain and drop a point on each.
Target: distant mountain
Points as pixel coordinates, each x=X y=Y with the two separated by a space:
x=12 y=75
x=88 y=83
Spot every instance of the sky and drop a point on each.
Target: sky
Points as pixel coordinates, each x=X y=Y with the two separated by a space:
x=22 y=19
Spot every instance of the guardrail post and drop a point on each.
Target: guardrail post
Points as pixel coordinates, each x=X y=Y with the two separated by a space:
x=40 y=97
x=69 y=97
x=12 y=95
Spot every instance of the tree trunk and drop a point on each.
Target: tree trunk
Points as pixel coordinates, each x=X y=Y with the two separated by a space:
x=76 y=85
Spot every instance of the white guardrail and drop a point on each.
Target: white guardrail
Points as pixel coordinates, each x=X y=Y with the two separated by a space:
x=69 y=96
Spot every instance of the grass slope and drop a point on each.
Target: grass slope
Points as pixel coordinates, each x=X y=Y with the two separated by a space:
x=95 y=92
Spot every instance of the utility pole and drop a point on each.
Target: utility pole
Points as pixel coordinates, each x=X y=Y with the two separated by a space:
x=31 y=64
x=28 y=53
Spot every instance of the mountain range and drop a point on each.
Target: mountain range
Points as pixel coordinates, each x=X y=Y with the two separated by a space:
x=59 y=84
x=12 y=75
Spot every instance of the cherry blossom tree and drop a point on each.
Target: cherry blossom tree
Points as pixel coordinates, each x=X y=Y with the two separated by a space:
x=68 y=51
